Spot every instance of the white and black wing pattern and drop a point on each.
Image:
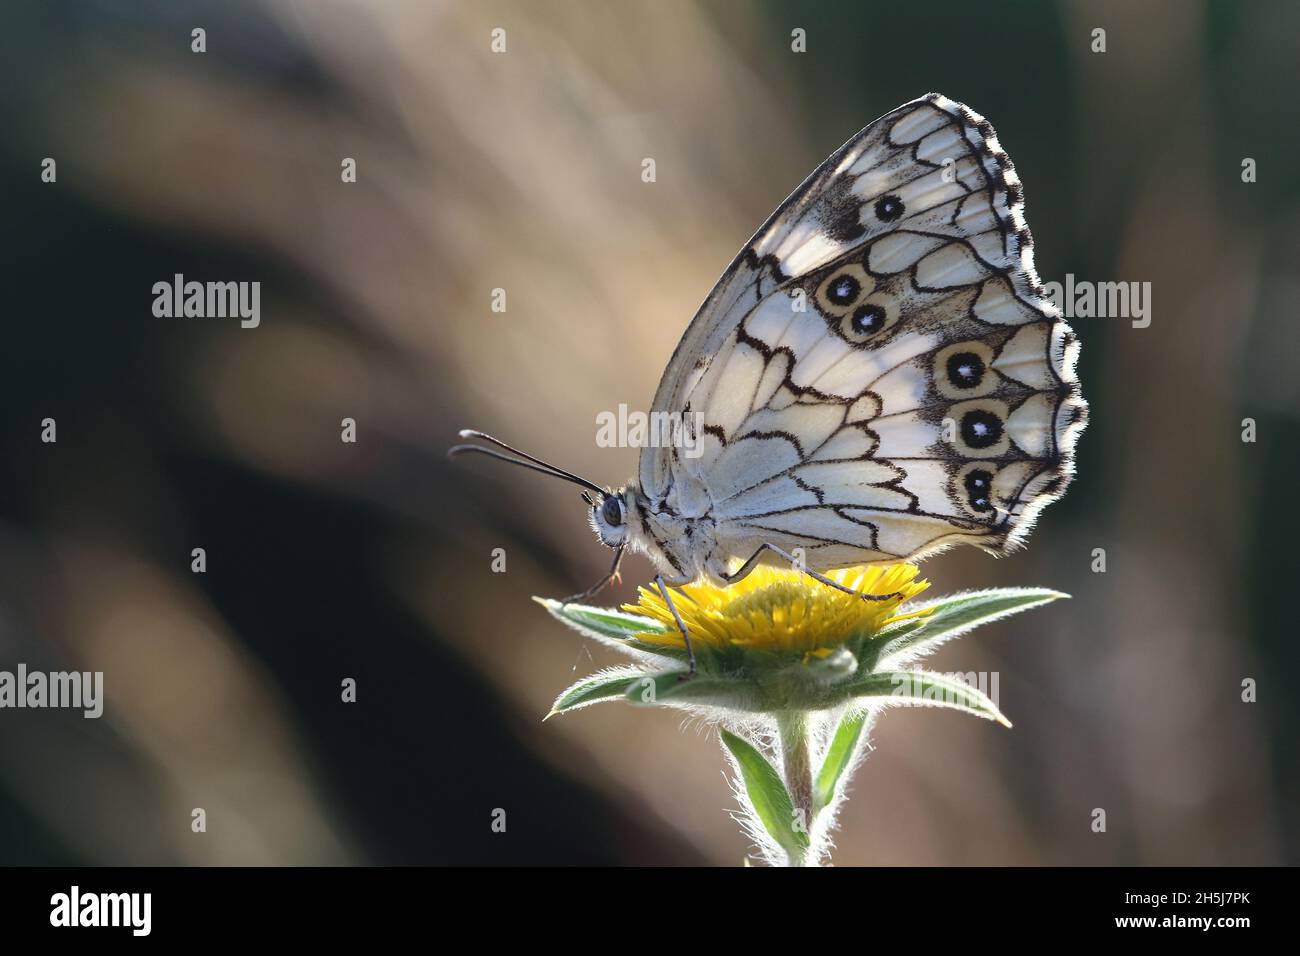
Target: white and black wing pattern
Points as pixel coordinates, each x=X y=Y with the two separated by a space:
x=878 y=372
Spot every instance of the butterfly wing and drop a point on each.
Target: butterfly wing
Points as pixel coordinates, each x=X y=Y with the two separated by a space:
x=878 y=373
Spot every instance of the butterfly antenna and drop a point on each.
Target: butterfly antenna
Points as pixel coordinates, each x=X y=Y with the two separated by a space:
x=523 y=459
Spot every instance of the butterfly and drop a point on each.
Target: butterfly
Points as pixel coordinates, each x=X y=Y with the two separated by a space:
x=877 y=376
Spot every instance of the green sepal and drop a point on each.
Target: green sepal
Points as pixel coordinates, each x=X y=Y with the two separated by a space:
x=679 y=688
x=954 y=616
x=928 y=689
x=617 y=629
x=608 y=684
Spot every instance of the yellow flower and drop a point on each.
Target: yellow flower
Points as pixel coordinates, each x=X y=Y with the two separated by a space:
x=783 y=610
x=796 y=671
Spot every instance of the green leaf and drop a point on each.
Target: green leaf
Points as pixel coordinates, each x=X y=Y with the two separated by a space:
x=838 y=757
x=617 y=629
x=929 y=689
x=955 y=616
x=610 y=684
x=770 y=799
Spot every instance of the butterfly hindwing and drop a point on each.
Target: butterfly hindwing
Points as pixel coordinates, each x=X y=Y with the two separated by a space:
x=878 y=373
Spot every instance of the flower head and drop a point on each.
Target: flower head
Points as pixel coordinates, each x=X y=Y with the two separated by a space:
x=782 y=611
x=795 y=670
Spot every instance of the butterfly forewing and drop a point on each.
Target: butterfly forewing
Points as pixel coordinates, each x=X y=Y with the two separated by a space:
x=878 y=373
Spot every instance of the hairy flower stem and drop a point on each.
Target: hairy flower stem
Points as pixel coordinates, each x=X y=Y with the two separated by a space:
x=792 y=727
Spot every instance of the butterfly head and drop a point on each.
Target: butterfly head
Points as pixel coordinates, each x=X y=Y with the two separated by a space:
x=608 y=518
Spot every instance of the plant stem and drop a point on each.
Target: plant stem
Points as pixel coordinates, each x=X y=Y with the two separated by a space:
x=792 y=727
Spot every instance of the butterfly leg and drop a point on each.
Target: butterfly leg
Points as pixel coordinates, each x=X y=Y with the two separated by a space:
x=599 y=585
x=744 y=570
x=681 y=625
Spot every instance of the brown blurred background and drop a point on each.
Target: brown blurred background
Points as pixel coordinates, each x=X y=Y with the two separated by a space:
x=521 y=171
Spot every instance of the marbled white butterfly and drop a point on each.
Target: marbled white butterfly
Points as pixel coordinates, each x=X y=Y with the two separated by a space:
x=878 y=375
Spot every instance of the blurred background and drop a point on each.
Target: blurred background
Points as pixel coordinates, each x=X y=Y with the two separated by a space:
x=522 y=171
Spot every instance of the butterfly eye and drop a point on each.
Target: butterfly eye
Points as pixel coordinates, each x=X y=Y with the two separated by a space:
x=611 y=512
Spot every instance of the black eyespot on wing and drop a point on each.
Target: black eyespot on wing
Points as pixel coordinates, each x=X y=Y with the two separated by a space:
x=843 y=289
x=980 y=428
x=965 y=369
x=868 y=319
x=979 y=488
x=889 y=208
